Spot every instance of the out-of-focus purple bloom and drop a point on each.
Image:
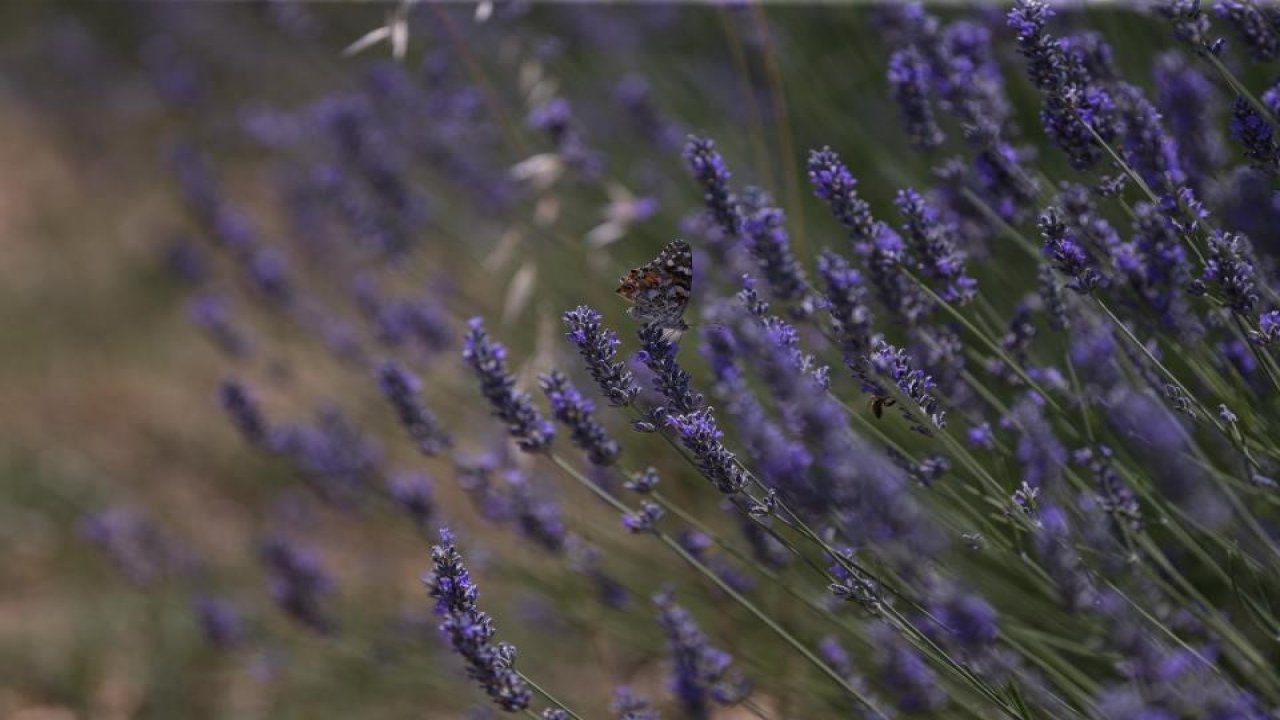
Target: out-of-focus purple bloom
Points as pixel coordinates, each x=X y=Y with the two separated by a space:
x=701 y=674
x=627 y=705
x=135 y=546
x=934 y=244
x=1115 y=497
x=698 y=545
x=635 y=96
x=221 y=623
x=578 y=414
x=709 y=170
x=598 y=346
x=244 y=412
x=699 y=434
x=584 y=558
x=209 y=312
x=187 y=261
x=1255 y=135
x=901 y=668
x=845 y=292
x=833 y=183
x=537 y=515
x=1038 y=450
x=981 y=436
x=659 y=355
x=401 y=389
x=532 y=432
x=1056 y=552
x=644 y=482
x=1145 y=145
x=555 y=117
x=336 y=459
x=298 y=583
x=1268 y=328
x=412 y=492
x=1255 y=26
x=1190 y=105
x=645 y=519
x=1190 y=24
x=908 y=83
x=1229 y=271
x=470 y=631
x=268 y=273
x=1051 y=298
x=768 y=242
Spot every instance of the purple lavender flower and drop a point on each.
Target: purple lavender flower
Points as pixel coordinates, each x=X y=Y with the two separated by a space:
x=845 y=292
x=892 y=363
x=1255 y=26
x=659 y=355
x=210 y=313
x=470 y=631
x=643 y=483
x=1228 y=270
x=1069 y=257
x=1056 y=553
x=532 y=432
x=221 y=623
x=578 y=414
x=1051 y=298
x=934 y=243
x=699 y=434
x=135 y=546
x=598 y=346
x=401 y=389
x=833 y=183
x=908 y=83
x=298 y=583
x=1073 y=110
x=1146 y=146
x=1190 y=24
x=645 y=519
x=411 y=491
x=1268 y=328
x=709 y=170
x=244 y=412
x=902 y=669
x=627 y=705
x=335 y=458
x=1254 y=133
x=1190 y=104
x=767 y=240
x=701 y=674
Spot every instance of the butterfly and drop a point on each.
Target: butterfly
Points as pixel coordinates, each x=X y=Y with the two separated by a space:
x=659 y=291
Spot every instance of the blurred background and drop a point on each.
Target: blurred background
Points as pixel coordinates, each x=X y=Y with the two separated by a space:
x=171 y=177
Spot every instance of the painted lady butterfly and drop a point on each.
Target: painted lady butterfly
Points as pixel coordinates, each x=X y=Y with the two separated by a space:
x=659 y=291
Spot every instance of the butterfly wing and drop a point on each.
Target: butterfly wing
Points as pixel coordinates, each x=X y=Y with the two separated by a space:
x=659 y=290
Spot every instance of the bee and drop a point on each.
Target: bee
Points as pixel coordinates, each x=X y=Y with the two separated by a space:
x=878 y=403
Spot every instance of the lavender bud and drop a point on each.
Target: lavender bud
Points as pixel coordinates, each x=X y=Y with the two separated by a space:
x=401 y=388
x=709 y=170
x=701 y=674
x=244 y=412
x=577 y=414
x=700 y=435
x=532 y=432
x=645 y=519
x=908 y=83
x=598 y=346
x=470 y=631
x=643 y=483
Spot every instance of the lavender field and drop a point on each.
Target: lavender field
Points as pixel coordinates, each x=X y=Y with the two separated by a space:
x=687 y=361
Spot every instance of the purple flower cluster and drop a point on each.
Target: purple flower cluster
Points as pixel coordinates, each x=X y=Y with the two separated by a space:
x=401 y=389
x=701 y=674
x=578 y=414
x=713 y=176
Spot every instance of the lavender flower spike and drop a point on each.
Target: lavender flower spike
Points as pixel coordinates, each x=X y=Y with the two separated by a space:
x=401 y=388
x=700 y=435
x=532 y=432
x=598 y=346
x=711 y=173
x=935 y=245
x=833 y=183
x=298 y=583
x=470 y=631
x=244 y=412
x=577 y=414
x=701 y=673
x=908 y=82
x=1068 y=255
